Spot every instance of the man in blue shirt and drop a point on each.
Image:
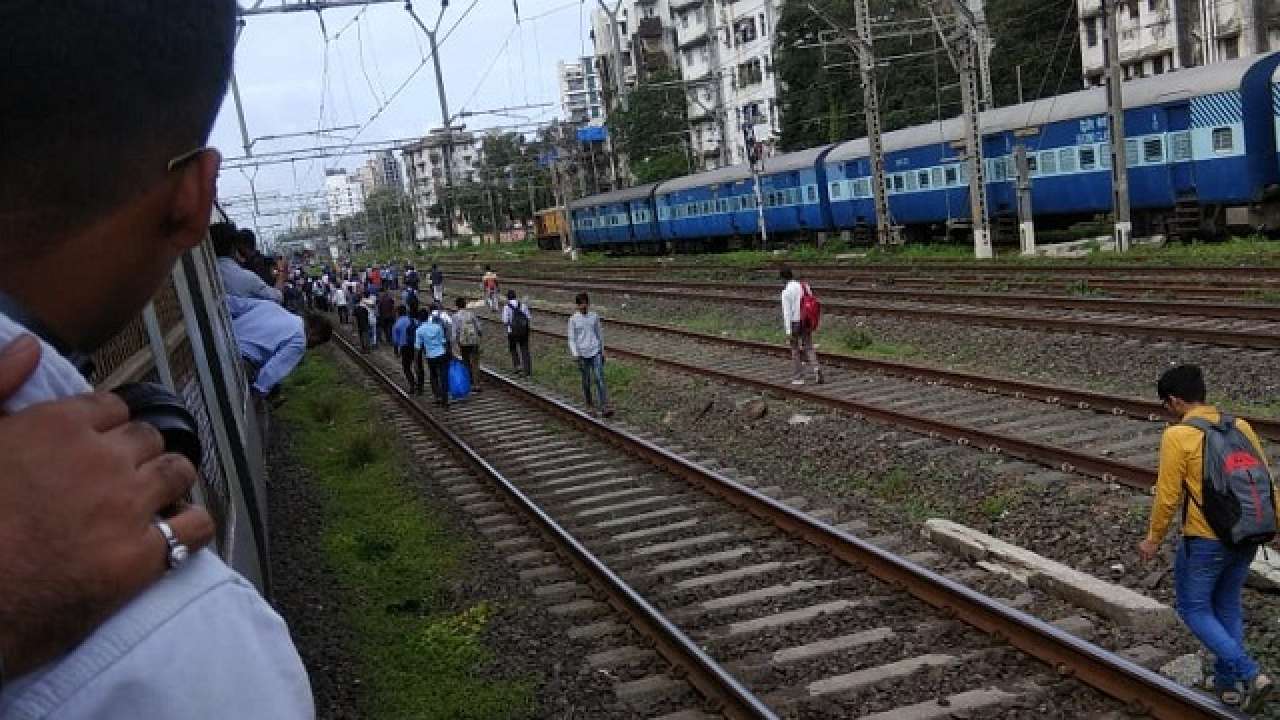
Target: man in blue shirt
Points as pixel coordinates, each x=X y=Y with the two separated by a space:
x=432 y=342
x=272 y=340
x=110 y=181
x=403 y=334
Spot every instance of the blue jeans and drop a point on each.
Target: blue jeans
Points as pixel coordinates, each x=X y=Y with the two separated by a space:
x=1208 y=579
x=593 y=368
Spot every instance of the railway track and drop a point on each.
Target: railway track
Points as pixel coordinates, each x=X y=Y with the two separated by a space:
x=1227 y=332
x=767 y=610
x=1069 y=438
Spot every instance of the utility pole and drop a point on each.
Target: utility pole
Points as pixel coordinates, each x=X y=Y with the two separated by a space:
x=963 y=49
x=862 y=43
x=753 y=157
x=1026 y=222
x=982 y=37
x=444 y=112
x=1115 y=110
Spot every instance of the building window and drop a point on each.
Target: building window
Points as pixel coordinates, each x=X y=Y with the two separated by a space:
x=1133 y=11
x=1157 y=65
x=1223 y=142
x=745 y=31
x=684 y=21
x=750 y=72
x=1153 y=151
x=764 y=29
x=1091 y=32
x=1231 y=48
x=1088 y=158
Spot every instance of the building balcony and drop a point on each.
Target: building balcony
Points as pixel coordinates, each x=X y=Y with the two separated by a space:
x=650 y=27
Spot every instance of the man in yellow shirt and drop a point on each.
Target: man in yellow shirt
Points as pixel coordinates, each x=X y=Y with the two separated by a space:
x=1209 y=575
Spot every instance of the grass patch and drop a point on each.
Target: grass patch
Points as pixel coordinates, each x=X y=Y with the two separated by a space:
x=421 y=654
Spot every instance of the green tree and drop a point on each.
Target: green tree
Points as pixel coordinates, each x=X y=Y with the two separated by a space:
x=386 y=221
x=653 y=129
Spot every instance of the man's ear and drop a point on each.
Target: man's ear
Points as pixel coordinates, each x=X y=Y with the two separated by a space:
x=191 y=204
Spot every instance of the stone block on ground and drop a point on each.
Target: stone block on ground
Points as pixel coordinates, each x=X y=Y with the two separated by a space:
x=1118 y=603
x=1186 y=670
x=754 y=408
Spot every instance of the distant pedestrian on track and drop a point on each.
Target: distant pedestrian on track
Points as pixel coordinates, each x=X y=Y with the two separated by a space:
x=437 y=284
x=1213 y=469
x=467 y=334
x=516 y=316
x=371 y=305
x=361 y=315
x=386 y=315
x=586 y=345
x=490 y=283
x=340 y=304
x=799 y=332
x=403 y=333
x=432 y=343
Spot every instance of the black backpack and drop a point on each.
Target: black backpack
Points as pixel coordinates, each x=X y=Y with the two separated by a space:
x=1238 y=495
x=519 y=323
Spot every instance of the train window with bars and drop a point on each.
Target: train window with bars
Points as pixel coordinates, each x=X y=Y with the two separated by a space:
x=963 y=170
x=911 y=181
x=1088 y=158
x=1048 y=163
x=952 y=175
x=811 y=193
x=1033 y=165
x=836 y=188
x=1180 y=146
x=1067 y=160
x=1131 y=151
x=922 y=179
x=1223 y=140
x=862 y=187
x=936 y=177
x=1153 y=150
x=707 y=207
x=898 y=183
x=1104 y=157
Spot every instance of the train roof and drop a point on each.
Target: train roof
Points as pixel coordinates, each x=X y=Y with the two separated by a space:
x=616 y=196
x=1158 y=89
x=786 y=162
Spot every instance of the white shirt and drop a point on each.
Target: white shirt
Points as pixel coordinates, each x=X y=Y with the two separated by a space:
x=791 y=296
x=199 y=644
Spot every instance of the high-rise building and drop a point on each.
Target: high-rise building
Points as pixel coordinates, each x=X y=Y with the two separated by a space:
x=646 y=41
x=1159 y=36
x=425 y=163
x=343 y=194
x=381 y=170
x=581 y=97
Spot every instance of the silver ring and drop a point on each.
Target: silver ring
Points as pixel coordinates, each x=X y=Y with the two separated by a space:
x=178 y=553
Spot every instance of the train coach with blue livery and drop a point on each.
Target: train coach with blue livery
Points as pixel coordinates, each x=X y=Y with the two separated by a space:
x=1201 y=147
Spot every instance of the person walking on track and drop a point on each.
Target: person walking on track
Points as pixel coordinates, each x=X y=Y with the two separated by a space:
x=432 y=342
x=516 y=316
x=490 y=283
x=403 y=333
x=1213 y=471
x=437 y=284
x=586 y=345
x=386 y=315
x=467 y=334
x=799 y=332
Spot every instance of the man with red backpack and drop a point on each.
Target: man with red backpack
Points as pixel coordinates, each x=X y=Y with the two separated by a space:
x=801 y=312
x=1213 y=471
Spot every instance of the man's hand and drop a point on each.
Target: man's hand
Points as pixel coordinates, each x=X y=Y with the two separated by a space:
x=1147 y=550
x=80 y=490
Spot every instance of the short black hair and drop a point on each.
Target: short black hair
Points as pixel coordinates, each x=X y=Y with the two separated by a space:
x=785 y=273
x=581 y=299
x=247 y=241
x=511 y=294
x=223 y=235
x=460 y=302
x=424 y=314
x=1185 y=382
x=99 y=96
x=319 y=328
x=402 y=311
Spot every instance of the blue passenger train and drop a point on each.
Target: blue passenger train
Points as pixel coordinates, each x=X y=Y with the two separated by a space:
x=1202 y=150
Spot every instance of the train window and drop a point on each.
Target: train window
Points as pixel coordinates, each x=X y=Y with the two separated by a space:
x=1131 y=151
x=1033 y=165
x=811 y=193
x=899 y=183
x=1088 y=158
x=1048 y=162
x=964 y=173
x=952 y=175
x=1153 y=150
x=1223 y=142
x=1180 y=146
x=836 y=189
x=862 y=187
x=936 y=175
x=1067 y=160
x=1104 y=155
x=793 y=196
x=922 y=179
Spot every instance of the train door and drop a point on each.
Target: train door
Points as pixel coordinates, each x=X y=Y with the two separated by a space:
x=1182 y=169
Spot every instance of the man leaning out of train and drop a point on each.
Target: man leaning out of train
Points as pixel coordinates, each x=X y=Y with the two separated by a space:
x=1214 y=473
x=108 y=107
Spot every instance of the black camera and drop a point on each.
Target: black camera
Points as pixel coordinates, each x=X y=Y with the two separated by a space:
x=157 y=406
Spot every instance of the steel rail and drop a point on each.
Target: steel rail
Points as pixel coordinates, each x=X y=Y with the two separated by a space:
x=1243 y=311
x=704 y=673
x=1226 y=338
x=1055 y=456
x=1043 y=392
x=1071 y=656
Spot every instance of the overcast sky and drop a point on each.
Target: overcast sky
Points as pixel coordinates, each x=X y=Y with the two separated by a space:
x=280 y=63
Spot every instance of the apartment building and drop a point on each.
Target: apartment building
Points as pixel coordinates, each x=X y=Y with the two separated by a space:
x=425 y=166
x=581 y=97
x=344 y=195
x=644 y=41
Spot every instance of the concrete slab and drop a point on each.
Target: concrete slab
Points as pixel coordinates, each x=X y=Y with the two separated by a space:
x=811 y=651
x=730 y=575
x=791 y=617
x=581 y=606
x=1120 y=604
x=607 y=496
x=642 y=517
x=689 y=715
x=543 y=573
x=640 y=502
x=938 y=710
x=693 y=562
x=684 y=543
x=754 y=596
x=594 y=630
x=617 y=657
x=562 y=590
x=648 y=689
x=655 y=531
x=863 y=679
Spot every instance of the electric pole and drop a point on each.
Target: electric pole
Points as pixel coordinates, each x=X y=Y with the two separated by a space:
x=1115 y=111
x=982 y=36
x=963 y=49
x=861 y=41
x=444 y=112
x=1026 y=222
